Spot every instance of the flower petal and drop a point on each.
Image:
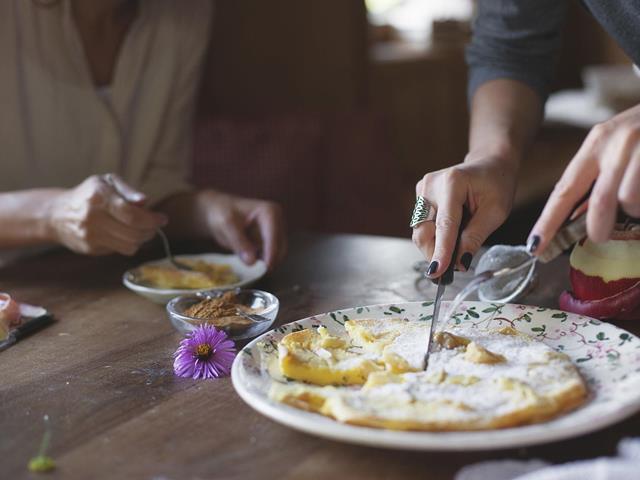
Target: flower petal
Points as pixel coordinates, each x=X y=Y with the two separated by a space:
x=187 y=363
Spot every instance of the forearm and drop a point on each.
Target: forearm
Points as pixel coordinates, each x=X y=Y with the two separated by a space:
x=505 y=115
x=24 y=217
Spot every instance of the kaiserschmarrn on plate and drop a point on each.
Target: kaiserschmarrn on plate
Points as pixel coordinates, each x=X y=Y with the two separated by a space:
x=203 y=275
x=477 y=379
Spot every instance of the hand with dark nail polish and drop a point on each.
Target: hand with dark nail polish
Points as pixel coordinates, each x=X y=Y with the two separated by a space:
x=533 y=243
x=465 y=260
x=433 y=268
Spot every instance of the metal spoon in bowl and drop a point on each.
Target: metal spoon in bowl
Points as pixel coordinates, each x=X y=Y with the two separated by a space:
x=254 y=317
x=108 y=179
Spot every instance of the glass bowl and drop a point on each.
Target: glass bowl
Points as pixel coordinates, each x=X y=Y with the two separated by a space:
x=264 y=303
x=511 y=287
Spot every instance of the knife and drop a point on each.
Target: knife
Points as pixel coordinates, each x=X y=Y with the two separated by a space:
x=445 y=279
x=27 y=328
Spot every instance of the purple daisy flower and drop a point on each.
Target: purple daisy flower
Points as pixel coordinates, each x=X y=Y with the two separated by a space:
x=205 y=353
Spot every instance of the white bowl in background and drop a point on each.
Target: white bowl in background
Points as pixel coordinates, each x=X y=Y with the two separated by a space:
x=247 y=273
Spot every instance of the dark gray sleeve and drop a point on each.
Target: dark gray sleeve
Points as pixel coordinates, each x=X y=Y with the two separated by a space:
x=516 y=39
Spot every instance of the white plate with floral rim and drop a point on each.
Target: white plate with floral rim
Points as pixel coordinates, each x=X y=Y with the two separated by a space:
x=607 y=357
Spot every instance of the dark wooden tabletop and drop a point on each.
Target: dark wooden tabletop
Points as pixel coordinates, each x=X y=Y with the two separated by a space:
x=103 y=374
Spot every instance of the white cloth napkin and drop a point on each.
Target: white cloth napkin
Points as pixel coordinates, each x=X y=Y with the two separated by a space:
x=625 y=466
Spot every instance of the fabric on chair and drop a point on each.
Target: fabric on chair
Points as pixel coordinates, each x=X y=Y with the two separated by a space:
x=365 y=191
x=331 y=173
x=272 y=158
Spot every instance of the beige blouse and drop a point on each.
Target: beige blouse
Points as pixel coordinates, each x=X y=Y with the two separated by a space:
x=57 y=128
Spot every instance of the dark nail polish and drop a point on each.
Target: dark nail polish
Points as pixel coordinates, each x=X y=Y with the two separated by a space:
x=534 y=242
x=465 y=260
x=433 y=267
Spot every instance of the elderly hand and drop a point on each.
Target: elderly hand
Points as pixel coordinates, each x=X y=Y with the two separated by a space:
x=250 y=228
x=92 y=219
x=486 y=185
x=610 y=157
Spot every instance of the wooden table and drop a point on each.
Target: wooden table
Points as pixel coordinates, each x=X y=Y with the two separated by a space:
x=103 y=373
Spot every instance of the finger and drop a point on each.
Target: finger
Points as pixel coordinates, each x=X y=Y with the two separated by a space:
x=282 y=241
x=115 y=236
x=98 y=192
x=106 y=240
x=424 y=237
x=580 y=210
x=448 y=217
x=629 y=193
x=482 y=223
x=603 y=202
x=238 y=241
x=127 y=191
x=574 y=183
x=125 y=232
x=284 y=245
x=88 y=245
x=269 y=230
x=98 y=251
x=135 y=216
x=424 y=234
x=115 y=244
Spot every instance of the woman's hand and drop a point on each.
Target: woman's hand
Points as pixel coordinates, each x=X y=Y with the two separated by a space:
x=250 y=228
x=486 y=185
x=610 y=157
x=92 y=219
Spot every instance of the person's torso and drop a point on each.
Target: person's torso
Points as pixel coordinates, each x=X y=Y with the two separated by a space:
x=621 y=19
x=56 y=127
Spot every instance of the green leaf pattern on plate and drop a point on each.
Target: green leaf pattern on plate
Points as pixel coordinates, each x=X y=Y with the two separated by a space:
x=607 y=356
x=589 y=342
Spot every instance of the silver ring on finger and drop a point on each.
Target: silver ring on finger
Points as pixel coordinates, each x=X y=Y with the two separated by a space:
x=423 y=211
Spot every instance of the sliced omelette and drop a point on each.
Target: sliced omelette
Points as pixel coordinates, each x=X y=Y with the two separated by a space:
x=477 y=379
x=318 y=358
x=203 y=275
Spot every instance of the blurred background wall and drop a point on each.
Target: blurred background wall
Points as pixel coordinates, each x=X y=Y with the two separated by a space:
x=335 y=108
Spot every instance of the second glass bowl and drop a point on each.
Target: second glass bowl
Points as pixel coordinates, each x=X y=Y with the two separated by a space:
x=262 y=303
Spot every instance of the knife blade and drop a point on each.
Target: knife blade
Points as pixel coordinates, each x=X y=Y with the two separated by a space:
x=434 y=320
x=27 y=328
x=445 y=279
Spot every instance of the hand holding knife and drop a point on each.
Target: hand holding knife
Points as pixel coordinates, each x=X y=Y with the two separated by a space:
x=445 y=279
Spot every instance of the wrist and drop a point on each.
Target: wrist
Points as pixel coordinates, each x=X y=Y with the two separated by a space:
x=45 y=223
x=505 y=159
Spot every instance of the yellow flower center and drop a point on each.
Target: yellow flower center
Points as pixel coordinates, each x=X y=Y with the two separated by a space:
x=203 y=351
